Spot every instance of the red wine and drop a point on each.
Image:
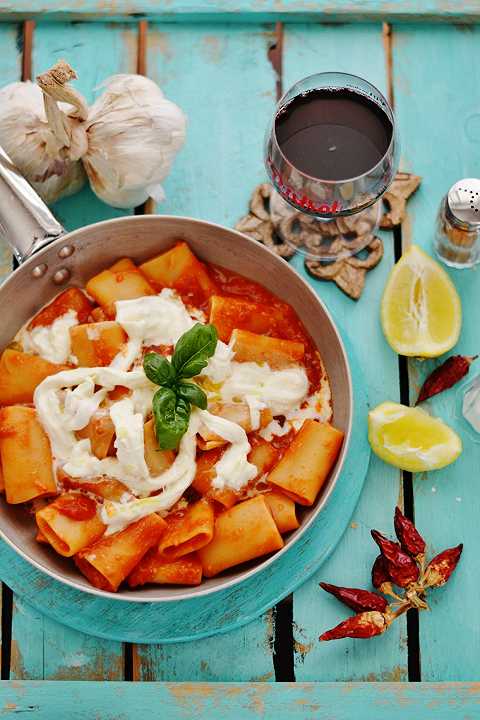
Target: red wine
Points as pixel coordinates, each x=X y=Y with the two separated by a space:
x=333 y=134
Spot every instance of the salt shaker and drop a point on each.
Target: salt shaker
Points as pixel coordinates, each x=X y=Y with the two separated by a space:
x=457 y=240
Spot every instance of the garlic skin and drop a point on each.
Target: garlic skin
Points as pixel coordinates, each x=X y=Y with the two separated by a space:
x=54 y=170
x=133 y=133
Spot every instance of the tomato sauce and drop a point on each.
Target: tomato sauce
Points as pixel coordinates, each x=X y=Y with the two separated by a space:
x=76 y=506
x=71 y=299
x=289 y=327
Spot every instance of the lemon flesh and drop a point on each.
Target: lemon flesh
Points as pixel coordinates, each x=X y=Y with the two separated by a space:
x=411 y=439
x=421 y=311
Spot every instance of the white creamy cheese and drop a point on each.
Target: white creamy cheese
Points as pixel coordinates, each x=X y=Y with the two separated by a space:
x=316 y=407
x=81 y=403
x=274 y=429
x=150 y=320
x=129 y=439
x=279 y=390
x=51 y=342
x=233 y=469
x=255 y=406
x=219 y=365
x=174 y=482
x=62 y=410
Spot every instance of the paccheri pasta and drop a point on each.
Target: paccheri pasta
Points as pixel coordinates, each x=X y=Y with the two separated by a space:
x=172 y=416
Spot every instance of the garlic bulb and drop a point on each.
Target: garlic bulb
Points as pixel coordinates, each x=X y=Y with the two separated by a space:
x=134 y=133
x=126 y=141
x=26 y=136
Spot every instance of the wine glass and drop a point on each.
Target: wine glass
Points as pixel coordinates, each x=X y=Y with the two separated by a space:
x=331 y=151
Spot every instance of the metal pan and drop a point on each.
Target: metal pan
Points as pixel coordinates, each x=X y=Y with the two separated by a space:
x=52 y=259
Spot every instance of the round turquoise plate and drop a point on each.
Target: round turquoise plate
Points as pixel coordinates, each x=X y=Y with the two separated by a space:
x=221 y=611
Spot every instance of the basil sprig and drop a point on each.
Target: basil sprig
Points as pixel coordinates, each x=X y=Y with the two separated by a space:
x=173 y=400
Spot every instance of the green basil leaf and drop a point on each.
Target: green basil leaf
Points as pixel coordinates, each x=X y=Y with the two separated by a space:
x=158 y=369
x=172 y=415
x=192 y=394
x=193 y=350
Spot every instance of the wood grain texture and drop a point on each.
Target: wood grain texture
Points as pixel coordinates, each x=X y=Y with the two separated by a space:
x=44 y=648
x=231 y=701
x=243 y=655
x=178 y=10
x=222 y=79
x=356 y=49
x=439 y=119
x=10 y=71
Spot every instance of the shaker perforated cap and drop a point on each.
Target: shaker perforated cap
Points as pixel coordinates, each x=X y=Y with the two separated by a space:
x=464 y=201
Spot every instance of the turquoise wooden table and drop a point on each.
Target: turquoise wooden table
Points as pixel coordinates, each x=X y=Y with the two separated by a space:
x=225 y=62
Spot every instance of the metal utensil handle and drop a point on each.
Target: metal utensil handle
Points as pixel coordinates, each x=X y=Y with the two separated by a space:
x=26 y=223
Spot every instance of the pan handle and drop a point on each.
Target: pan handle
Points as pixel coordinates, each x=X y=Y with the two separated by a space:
x=26 y=223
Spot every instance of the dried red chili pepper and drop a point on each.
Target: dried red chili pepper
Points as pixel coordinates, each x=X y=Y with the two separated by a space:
x=402 y=569
x=365 y=625
x=442 y=566
x=398 y=563
x=410 y=539
x=357 y=599
x=445 y=376
x=380 y=576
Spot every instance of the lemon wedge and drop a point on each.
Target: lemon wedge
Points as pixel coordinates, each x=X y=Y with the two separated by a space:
x=411 y=439
x=421 y=311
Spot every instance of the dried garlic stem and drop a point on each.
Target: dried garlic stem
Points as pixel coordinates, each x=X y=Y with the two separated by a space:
x=54 y=88
x=54 y=84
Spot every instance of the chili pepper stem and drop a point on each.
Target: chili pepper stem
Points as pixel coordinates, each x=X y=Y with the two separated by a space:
x=415 y=600
x=403 y=607
x=387 y=589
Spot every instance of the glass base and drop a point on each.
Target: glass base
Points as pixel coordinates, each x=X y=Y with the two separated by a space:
x=459 y=260
x=324 y=239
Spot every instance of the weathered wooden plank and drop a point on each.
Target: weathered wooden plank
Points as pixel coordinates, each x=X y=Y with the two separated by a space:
x=241 y=655
x=10 y=71
x=302 y=10
x=230 y=701
x=440 y=129
x=27 y=646
x=355 y=49
x=42 y=648
x=222 y=79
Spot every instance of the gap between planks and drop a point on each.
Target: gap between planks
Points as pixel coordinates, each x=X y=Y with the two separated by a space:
x=413 y=626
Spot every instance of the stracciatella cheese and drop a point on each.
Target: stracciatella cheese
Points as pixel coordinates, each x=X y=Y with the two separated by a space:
x=150 y=320
x=52 y=342
x=233 y=469
x=279 y=390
